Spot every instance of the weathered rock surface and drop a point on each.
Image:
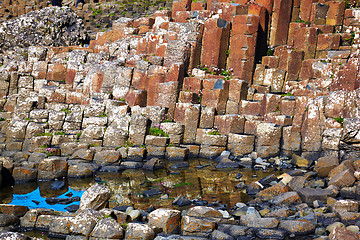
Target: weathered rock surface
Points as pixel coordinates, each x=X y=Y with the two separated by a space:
x=52 y=26
x=95 y=197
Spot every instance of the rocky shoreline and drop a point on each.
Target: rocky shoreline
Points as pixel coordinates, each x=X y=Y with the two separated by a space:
x=296 y=203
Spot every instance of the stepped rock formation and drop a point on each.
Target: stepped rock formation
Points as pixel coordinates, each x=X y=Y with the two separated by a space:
x=246 y=76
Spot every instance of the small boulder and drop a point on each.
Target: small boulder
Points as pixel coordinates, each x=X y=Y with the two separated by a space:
x=8 y=219
x=339 y=233
x=96 y=197
x=181 y=201
x=139 y=231
x=167 y=220
x=153 y=164
x=204 y=212
x=343 y=179
x=51 y=168
x=197 y=226
x=107 y=228
x=255 y=222
x=297 y=227
x=227 y=163
x=273 y=191
x=325 y=164
x=345 y=205
x=16 y=210
x=287 y=198
x=300 y=161
x=309 y=195
x=84 y=222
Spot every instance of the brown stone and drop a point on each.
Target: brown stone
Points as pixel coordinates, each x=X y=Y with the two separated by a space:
x=271 y=192
x=324 y=165
x=167 y=220
x=339 y=233
x=343 y=179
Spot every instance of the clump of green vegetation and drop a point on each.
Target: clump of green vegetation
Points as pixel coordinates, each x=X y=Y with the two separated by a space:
x=44 y=134
x=59 y=133
x=2 y=119
x=339 y=120
x=349 y=5
x=103 y=115
x=66 y=110
x=182 y=184
x=166 y=120
x=277 y=108
x=287 y=94
x=128 y=144
x=79 y=134
x=302 y=21
x=155 y=131
x=123 y=225
x=270 y=51
x=214 y=132
x=204 y=68
x=96 y=11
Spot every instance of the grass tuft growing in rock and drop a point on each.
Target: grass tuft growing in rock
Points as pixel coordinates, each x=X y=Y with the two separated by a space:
x=214 y=132
x=155 y=131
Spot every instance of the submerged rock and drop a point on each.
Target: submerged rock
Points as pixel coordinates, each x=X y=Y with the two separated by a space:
x=181 y=201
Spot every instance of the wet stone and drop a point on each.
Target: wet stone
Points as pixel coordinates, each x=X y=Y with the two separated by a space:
x=179 y=165
x=181 y=201
x=152 y=192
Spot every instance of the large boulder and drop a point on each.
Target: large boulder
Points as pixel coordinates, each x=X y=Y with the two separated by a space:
x=51 y=26
x=95 y=197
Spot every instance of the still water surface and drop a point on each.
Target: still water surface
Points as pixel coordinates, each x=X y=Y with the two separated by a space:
x=200 y=181
x=203 y=183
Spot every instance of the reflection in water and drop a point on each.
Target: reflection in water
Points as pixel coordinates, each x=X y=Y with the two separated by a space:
x=27 y=199
x=207 y=183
